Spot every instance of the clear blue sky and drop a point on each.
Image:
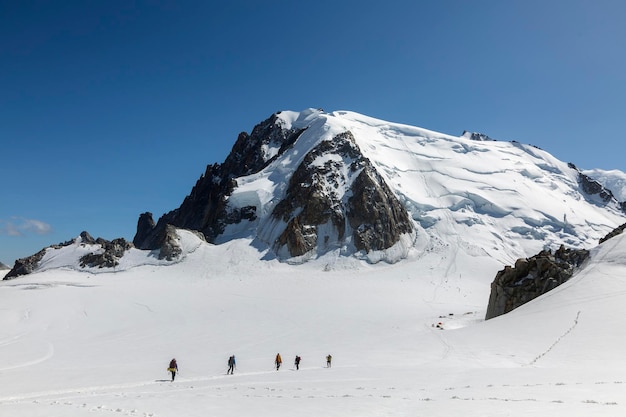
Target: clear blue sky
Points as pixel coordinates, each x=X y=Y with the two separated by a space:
x=115 y=107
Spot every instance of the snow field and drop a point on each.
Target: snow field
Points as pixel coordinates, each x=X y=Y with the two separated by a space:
x=79 y=344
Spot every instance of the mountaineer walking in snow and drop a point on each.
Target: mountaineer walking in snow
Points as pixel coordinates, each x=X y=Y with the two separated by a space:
x=278 y=361
x=231 y=365
x=297 y=362
x=329 y=359
x=173 y=368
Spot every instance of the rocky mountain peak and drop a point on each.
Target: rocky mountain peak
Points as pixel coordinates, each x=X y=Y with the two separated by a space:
x=480 y=137
x=334 y=199
x=253 y=152
x=205 y=209
x=105 y=254
x=303 y=184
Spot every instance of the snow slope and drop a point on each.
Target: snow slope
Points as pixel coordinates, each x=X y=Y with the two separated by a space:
x=76 y=343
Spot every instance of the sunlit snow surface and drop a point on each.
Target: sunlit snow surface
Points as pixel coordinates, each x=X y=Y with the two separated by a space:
x=84 y=344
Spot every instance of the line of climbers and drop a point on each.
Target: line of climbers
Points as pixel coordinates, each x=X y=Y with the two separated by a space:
x=232 y=364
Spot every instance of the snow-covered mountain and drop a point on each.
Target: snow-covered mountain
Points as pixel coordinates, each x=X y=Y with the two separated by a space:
x=310 y=184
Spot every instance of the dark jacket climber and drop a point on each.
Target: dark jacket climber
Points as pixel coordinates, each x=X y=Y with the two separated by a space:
x=173 y=368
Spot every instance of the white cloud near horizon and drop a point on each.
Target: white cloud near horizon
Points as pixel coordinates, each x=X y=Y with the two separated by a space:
x=19 y=226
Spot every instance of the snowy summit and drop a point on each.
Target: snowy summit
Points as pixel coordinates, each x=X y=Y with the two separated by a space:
x=311 y=184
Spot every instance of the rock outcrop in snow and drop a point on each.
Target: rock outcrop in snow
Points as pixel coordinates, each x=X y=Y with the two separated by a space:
x=25 y=266
x=162 y=239
x=535 y=276
x=336 y=191
x=476 y=136
x=532 y=277
x=109 y=254
x=618 y=231
x=104 y=254
x=592 y=187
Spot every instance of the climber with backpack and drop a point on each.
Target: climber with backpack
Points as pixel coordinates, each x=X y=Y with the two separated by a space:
x=278 y=361
x=231 y=365
x=173 y=368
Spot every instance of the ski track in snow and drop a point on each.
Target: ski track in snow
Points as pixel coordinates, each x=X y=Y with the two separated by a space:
x=600 y=394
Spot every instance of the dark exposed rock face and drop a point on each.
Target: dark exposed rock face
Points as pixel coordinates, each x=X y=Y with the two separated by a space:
x=107 y=257
x=315 y=198
x=170 y=247
x=205 y=208
x=480 y=137
x=375 y=214
x=112 y=251
x=145 y=226
x=165 y=240
x=617 y=231
x=84 y=238
x=593 y=187
x=532 y=277
x=25 y=266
